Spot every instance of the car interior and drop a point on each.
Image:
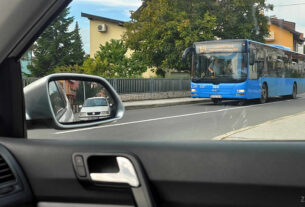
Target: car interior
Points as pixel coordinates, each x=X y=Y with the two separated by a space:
x=66 y=173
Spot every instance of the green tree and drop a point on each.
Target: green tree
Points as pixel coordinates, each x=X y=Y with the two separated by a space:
x=69 y=69
x=57 y=46
x=161 y=29
x=112 y=61
x=77 y=51
x=241 y=19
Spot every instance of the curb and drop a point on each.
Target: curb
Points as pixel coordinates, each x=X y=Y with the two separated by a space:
x=228 y=134
x=132 y=107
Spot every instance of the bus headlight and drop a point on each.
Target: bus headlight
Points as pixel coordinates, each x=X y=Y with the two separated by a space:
x=193 y=90
x=241 y=91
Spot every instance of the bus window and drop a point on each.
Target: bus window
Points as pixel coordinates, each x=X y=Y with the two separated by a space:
x=302 y=68
x=286 y=65
x=294 y=69
x=260 y=64
x=272 y=59
x=270 y=65
x=295 y=73
x=255 y=70
x=279 y=66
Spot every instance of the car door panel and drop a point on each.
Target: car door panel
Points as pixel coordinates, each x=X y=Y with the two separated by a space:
x=179 y=174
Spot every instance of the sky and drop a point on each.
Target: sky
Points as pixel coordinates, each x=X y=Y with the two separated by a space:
x=290 y=10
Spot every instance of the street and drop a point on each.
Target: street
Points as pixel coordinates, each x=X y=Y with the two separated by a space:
x=200 y=121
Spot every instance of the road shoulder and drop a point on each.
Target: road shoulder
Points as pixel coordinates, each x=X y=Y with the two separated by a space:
x=290 y=127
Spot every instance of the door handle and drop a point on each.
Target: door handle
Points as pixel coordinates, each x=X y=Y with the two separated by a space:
x=126 y=174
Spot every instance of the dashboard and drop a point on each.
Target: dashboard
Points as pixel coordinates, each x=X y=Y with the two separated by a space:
x=14 y=188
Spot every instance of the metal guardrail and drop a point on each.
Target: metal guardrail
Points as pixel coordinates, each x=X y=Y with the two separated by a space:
x=140 y=85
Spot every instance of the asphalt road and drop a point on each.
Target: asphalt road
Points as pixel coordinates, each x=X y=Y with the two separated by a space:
x=200 y=121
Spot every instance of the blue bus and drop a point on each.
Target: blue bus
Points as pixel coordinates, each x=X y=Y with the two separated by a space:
x=243 y=70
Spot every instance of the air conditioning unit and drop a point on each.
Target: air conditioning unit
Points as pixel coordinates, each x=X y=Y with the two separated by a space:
x=270 y=37
x=102 y=28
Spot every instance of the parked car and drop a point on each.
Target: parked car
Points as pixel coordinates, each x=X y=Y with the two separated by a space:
x=94 y=108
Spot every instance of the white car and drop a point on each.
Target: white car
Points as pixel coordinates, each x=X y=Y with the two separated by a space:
x=94 y=108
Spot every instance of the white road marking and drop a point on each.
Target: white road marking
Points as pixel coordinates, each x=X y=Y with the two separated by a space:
x=167 y=117
x=149 y=120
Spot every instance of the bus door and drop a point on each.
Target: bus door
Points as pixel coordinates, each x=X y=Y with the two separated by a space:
x=255 y=72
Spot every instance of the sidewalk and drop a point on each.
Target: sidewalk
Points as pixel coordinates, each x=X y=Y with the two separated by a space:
x=162 y=102
x=284 y=128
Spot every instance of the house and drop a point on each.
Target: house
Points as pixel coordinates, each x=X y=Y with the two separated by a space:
x=282 y=32
x=70 y=87
x=104 y=29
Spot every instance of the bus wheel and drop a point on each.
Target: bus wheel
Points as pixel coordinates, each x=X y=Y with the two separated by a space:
x=217 y=101
x=264 y=94
x=294 y=91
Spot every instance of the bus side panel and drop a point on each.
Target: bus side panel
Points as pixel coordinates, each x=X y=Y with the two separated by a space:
x=253 y=89
x=288 y=86
x=300 y=85
x=278 y=86
x=273 y=84
x=283 y=86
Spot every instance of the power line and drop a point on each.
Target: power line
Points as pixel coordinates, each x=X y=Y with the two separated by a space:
x=296 y=4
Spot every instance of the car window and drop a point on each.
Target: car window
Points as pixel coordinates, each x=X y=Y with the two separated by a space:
x=95 y=102
x=185 y=70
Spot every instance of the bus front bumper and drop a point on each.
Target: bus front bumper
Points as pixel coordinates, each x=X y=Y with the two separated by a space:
x=221 y=91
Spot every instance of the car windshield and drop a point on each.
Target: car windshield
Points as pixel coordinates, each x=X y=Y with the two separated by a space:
x=95 y=102
x=183 y=70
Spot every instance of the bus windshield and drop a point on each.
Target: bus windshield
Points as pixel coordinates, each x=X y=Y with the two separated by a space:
x=220 y=67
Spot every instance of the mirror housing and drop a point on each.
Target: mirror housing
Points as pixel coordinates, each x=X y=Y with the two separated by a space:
x=39 y=107
x=186 y=52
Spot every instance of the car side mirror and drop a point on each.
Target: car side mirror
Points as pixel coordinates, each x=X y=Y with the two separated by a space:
x=186 y=52
x=57 y=98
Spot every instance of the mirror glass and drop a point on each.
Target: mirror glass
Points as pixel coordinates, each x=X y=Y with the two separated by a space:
x=75 y=101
